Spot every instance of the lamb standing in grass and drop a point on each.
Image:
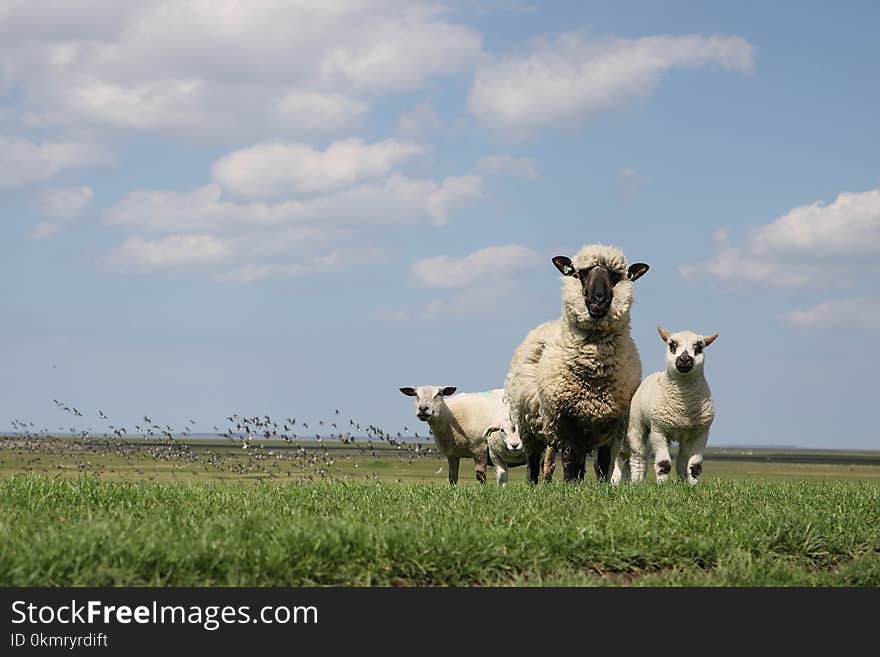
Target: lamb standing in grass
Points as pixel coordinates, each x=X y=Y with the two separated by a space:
x=571 y=380
x=459 y=424
x=673 y=405
x=505 y=447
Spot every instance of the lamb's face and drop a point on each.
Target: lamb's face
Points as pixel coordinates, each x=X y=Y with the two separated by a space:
x=684 y=351
x=509 y=434
x=429 y=399
x=597 y=290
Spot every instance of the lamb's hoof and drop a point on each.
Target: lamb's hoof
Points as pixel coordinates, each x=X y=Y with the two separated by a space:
x=664 y=467
x=696 y=470
x=481 y=477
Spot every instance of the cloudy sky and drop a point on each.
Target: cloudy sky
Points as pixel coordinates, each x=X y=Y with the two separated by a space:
x=285 y=208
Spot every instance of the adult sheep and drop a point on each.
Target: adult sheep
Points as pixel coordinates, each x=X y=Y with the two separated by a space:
x=571 y=380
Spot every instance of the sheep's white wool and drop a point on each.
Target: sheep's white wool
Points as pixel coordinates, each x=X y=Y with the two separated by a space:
x=458 y=423
x=505 y=447
x=571 y=380
x=670 y=406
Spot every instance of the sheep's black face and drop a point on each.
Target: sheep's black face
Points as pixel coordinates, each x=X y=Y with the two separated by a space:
x=597 y=283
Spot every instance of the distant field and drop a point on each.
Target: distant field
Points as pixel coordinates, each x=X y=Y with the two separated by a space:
x=82 y=531
x=224 y=460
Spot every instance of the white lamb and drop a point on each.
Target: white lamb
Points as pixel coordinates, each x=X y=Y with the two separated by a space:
x=673 y=405
x=459 y=424
x=505 y=447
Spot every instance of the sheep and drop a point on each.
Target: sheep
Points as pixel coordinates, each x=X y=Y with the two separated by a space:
x=571 y=380
x=675 y=404
x=505 y=447
x=459 y=425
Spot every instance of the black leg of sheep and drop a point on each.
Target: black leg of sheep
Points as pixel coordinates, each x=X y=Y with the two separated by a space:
x=574 y=461
x=602 y=464
x=534 y=462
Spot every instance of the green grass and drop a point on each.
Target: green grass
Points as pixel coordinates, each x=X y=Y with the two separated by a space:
x=83 y=531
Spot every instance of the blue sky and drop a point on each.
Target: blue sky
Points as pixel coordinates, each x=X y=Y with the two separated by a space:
x=285 y=209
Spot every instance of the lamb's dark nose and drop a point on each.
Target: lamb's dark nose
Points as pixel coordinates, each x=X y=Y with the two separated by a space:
x=684 y=363
x=423 y=409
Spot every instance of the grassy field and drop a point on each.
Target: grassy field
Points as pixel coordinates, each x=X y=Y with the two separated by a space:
x=82 y=531
x=130 y=512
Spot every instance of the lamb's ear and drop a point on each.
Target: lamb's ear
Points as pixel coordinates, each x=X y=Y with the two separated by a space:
x=409 y=392
x=448 y=390
x=489 y=430
x=709 y=339
x=563 y=264
x=663 y=333
x=637 y=270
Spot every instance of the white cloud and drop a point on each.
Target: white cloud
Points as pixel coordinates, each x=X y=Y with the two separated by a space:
x=491 y=263
x=803 y=245
x=573 y=78
x=23 y=162
x=861 y=315
x=174 y=252
x=321 y=112
x=272 y=171
x=338 y=260
x=518 y=167
x=222 y=70
x=487 y=300
x=62 y=205
x=452 y=193
x=393 y=200
x=65 y=203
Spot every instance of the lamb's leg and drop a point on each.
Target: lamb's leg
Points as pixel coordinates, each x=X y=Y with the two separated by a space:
x=574 y=458
x=637 y=445
x=620 y=459
x=549 y=462
x=481 y=460
x=695 y=458
x=453 y=469
x=681 y=459
x=534 y=451
x=662 y=460
x=500 y=472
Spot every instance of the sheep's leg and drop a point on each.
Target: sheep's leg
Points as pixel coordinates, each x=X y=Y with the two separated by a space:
x=681 y=459
x=453 y=469
x=602 y=464
x=662 y=460
x=500 y=472
x=620 y=458
x=481 y=460
x=695 y=458
x=549 y=462
x=534 y=451
x=636 y=443
x=574 y=459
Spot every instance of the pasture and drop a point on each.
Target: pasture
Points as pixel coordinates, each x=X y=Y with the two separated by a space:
x=209 y=513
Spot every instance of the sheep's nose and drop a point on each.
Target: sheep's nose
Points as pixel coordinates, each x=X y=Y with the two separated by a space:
x=422 y=409
x=515 y=445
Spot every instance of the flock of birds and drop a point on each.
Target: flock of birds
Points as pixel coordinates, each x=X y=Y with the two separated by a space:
x=329 y=450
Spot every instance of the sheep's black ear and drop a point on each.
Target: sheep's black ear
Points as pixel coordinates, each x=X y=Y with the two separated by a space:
x=490 y=430
x=637 y=270
x=448 y=390
x=563 y=264
x=409 y=392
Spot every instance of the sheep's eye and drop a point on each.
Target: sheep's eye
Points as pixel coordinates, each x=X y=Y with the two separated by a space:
x=673 y=346
x=698 y=348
